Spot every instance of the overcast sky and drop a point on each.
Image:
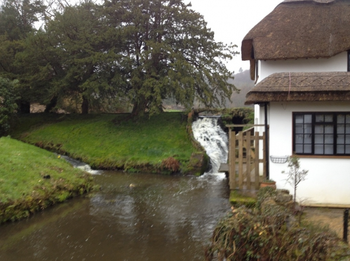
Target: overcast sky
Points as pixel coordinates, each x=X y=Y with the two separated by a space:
x=231 y=20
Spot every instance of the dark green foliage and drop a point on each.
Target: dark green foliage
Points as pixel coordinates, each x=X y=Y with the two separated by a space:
x=92 y=55
x=8 y=104
x=271 y=232
x=171 y=54
x=71 y=60
x=17 y=18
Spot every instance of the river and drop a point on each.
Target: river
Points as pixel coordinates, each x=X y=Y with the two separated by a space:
x=133 y=217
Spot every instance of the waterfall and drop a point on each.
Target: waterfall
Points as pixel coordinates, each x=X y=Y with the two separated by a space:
x=213 y=139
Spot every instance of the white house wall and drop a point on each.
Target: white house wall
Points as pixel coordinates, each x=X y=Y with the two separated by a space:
x=328 y=179
x=336 y=63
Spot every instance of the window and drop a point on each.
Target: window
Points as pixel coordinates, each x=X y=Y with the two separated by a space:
x=324 y=133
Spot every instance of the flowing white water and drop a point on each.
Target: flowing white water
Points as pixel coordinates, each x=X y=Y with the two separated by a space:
x=81 y=165
x=213 y=139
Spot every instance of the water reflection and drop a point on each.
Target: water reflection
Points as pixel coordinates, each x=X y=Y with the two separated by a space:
x=160 y=218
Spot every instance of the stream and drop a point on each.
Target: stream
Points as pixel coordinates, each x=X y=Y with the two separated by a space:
x=133 y=217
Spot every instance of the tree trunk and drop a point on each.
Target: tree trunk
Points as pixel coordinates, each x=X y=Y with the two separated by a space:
x=139 y=108
x=52 y=104
x=85 y=106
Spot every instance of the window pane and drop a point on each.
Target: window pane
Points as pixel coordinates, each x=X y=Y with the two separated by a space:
x=308 y=118
x=340 y=139
x=307 y=149
x=299 y=119
x=347 y=129
x=299 y=149
x=347 y=149
x=308 y=128
x=329 y=139
x=318 y=129
x=319 y=139
x=340 y=149
x=340 y=128
x=347 y=139
x=340 y=118
x=318 y=149
x=347 y=117
x=319 y=118
x=307 y=139
x=299 y=128
x=329 y=129
x=298 y=138
x=329 y=149
x=328 y=118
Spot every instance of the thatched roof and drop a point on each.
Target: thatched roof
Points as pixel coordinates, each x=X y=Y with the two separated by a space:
x=281 y=87
x=300 y=29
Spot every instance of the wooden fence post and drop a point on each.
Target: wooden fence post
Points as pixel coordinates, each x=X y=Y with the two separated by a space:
x=248 y=161
x=257 y=160
x=264 y=155
x=240 y=160
x=232 y=159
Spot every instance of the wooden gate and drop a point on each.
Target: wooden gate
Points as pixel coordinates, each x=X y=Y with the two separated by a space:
x=246 y=163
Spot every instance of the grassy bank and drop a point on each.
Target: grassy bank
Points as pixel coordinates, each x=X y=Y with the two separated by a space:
x=114 y=141
x=32 y=179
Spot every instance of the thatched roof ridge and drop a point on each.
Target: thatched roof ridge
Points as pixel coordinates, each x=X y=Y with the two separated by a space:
x=300 y=29
x=322 y=86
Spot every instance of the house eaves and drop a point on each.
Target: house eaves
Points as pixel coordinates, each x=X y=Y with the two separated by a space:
x=286 y=87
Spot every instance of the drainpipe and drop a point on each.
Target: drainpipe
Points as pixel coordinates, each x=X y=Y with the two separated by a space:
x=267 y=145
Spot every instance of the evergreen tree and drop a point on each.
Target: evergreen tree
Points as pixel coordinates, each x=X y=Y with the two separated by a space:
x=169 y=53
x=8 y=104
x=70 y=59
x=142 y=51
x=17 y=18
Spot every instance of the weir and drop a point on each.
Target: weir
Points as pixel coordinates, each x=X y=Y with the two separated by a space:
x=81 y=165
x=213 y=139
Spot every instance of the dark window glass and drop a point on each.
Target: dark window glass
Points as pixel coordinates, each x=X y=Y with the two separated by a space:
x=321 y=133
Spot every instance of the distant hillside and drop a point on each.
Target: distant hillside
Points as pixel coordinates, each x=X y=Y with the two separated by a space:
x=242 y=82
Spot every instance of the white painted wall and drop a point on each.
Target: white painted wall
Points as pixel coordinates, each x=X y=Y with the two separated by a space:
x=337 y=63
x=328 y=180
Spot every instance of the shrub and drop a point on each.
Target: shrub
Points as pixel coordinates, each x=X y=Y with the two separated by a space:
x=8 y=104
x=271 y=232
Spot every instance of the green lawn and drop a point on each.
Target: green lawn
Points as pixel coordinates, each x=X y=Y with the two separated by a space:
x=112 y=141
x=32 y=179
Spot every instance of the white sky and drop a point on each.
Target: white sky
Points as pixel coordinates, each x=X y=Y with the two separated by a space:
x=231 y=20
